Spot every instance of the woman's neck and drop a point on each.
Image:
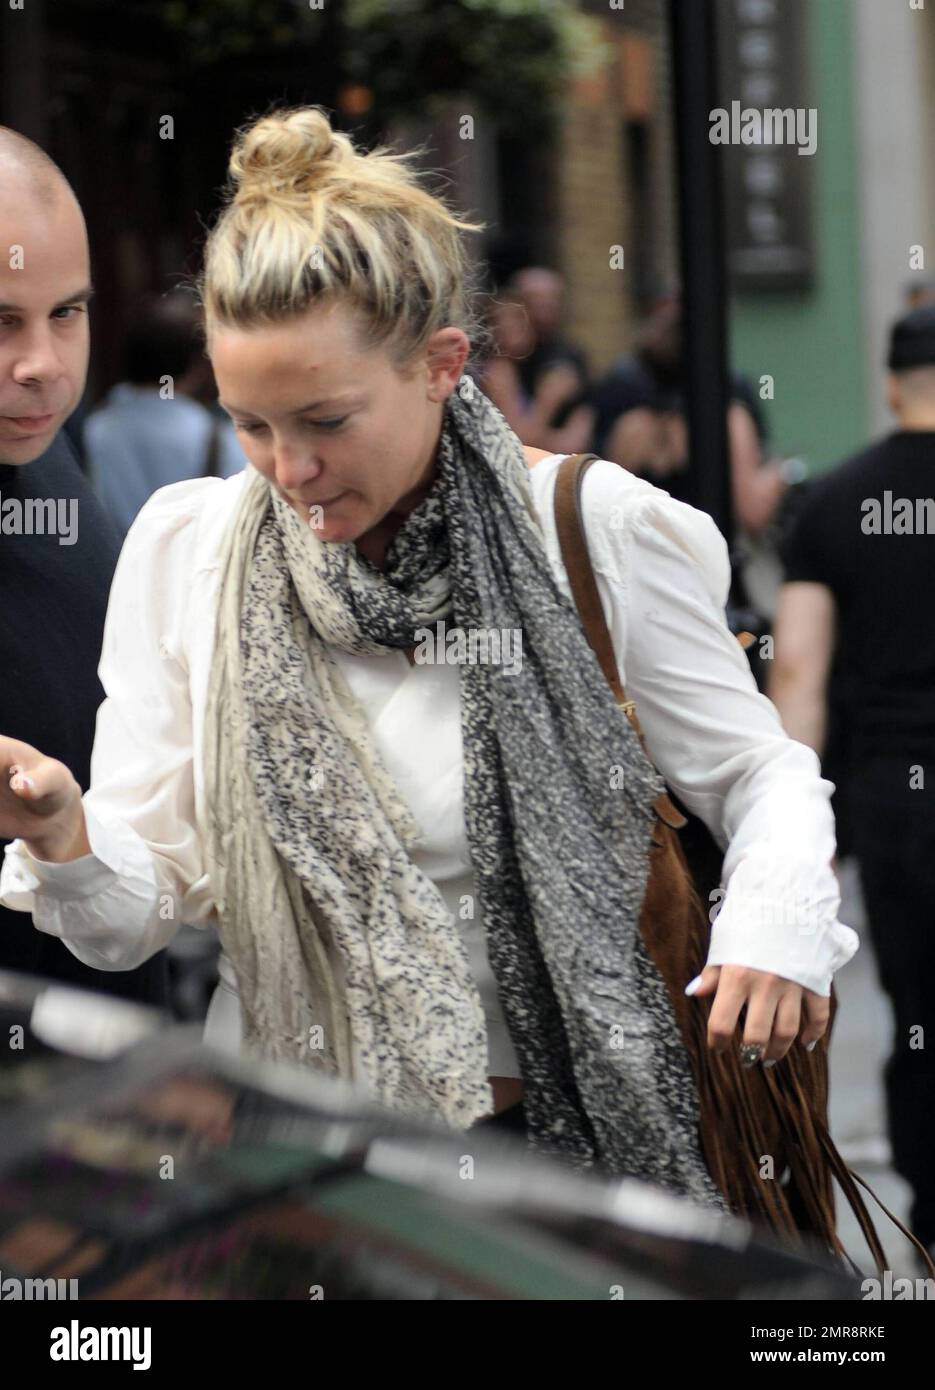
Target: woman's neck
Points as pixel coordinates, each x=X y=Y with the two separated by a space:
x=373 y=544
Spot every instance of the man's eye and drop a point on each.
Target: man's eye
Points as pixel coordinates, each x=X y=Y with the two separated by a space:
x=69 y=309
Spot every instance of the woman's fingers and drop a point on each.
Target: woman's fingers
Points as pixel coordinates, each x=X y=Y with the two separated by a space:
x=41 y=785
x=773 y=1011
x=15 y=754
x=733 y=988
x=817 y=1011
x=705 y=983
x=785 y=1023
x=28 y=777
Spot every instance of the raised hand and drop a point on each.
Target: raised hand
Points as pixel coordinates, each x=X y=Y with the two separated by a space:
x=40 y=803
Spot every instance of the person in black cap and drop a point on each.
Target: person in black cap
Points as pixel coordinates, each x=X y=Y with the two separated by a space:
x=57 y=548
x=858 y=600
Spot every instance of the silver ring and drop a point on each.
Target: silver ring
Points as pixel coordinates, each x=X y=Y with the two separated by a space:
x=750 y=1054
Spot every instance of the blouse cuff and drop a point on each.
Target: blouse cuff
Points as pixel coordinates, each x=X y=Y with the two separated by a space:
x=118 y=856
x=794 y=933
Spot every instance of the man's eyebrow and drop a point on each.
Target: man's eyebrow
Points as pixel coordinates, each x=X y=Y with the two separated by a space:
x=81 y=296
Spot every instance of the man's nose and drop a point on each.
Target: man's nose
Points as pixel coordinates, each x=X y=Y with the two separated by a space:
x=38 y=358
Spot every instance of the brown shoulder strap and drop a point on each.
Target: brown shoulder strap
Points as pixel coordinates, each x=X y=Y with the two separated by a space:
x=583 y=585
x=577 y=564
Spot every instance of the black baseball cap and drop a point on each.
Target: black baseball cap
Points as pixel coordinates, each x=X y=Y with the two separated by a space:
x=912 y=340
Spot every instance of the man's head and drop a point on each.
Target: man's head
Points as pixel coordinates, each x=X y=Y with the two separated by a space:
x=660 y=340
x=542 y=291
x=919 y=292
x=165 y=337
x=911 y=380
x=44 y=291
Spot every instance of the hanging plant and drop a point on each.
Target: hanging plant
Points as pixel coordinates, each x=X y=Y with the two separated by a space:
x=412 y=56
x=213 y=30
x=511 y=56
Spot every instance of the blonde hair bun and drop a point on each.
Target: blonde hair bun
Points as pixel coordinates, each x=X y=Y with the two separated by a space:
x=310 y=218
x=286 y=154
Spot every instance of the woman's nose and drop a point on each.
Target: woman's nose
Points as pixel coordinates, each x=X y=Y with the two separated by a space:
x=295 y=467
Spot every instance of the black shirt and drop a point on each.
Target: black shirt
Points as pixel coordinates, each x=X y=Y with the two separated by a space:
x=53 y=599
x=554 y=352
x=884 y=586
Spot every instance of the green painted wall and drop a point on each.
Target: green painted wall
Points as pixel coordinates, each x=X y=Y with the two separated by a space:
x=811 y=341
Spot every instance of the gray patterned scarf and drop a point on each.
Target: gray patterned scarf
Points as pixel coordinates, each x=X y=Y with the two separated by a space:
x=333 y=931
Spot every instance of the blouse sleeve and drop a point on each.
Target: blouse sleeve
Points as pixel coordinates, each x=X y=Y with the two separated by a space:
x=119 y=905
x=664 y=574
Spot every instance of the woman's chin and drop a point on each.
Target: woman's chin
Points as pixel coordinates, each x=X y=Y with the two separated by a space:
x=336 y=529
x=334 y=523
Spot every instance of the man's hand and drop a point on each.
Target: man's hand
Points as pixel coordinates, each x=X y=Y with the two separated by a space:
x=778 y=1010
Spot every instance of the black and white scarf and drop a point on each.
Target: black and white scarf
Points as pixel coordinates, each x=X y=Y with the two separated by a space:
x=334 y=933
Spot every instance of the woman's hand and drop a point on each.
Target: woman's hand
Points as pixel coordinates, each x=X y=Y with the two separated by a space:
x=778 y=1010
x=40 y=803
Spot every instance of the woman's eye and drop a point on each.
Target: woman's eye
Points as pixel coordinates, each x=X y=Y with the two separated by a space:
x=248 y=429
x=327 y=424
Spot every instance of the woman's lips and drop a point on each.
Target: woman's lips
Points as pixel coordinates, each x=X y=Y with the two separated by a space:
x=326 y=502
x=30 y=424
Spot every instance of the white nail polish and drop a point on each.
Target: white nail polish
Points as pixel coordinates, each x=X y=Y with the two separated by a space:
x=693 y=985
x=810 y=1047
x=769 y=1064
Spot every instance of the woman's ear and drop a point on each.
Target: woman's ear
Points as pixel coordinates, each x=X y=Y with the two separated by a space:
x=446 y=355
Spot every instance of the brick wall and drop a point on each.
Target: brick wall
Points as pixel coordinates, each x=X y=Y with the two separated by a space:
x=595 y=204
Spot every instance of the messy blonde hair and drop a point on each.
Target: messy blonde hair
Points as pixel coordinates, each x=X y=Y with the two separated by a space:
x=309 y=219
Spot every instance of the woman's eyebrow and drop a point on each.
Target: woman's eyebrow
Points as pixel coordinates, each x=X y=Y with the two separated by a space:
x=313 y=405
x=327 y=400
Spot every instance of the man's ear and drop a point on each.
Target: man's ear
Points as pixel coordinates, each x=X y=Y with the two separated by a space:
x=894 y=394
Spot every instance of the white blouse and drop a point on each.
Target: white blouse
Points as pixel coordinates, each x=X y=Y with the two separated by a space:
x=663 y=574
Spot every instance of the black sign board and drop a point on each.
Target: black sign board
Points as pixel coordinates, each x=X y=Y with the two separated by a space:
x=769 y=133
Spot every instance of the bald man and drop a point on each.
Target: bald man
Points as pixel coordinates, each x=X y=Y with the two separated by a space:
x=57 y=548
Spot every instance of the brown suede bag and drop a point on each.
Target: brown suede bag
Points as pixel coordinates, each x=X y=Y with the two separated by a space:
x=747 y=1115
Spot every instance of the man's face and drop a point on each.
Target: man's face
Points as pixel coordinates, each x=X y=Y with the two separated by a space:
x=44 y=287
x=542 y=292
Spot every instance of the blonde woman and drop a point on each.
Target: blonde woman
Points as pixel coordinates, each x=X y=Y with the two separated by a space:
x=426 y=869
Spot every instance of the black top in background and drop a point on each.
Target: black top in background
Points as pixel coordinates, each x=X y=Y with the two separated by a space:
x=53 y=600
x=884 y=590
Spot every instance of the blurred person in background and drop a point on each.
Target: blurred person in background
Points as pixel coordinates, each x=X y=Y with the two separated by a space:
x=919 y=292
x=54 y=585
x=156 y=427
x=538 y=374
x=499 y=376
x=641 y=422
x=858 y=594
